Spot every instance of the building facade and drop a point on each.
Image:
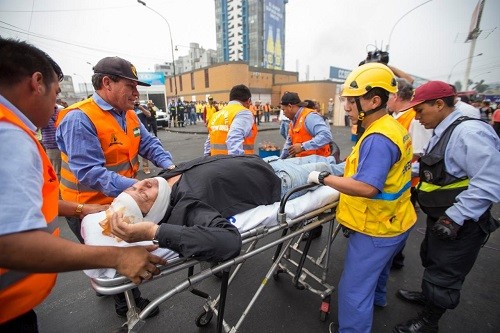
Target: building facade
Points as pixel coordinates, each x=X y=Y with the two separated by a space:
x=266 y=85
x=252 y=31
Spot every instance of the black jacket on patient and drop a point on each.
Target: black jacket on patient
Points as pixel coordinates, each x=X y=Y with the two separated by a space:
x=210 y=189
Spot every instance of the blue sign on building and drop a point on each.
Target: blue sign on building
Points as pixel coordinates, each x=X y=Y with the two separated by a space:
x=337 y=73
x=153 y=78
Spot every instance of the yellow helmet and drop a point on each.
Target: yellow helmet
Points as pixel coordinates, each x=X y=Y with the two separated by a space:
x=369 y=76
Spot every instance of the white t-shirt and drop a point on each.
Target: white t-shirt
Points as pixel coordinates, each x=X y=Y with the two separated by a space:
x=467 y=110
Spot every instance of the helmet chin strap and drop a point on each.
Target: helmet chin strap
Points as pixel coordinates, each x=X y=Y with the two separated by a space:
x=362 y=114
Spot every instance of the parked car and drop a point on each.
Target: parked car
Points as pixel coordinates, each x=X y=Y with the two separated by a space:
x=162 y=118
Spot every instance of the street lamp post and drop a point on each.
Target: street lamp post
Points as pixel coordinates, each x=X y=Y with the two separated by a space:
x=449 y=75
x=474 y=77
x=171 y=44
x=394 y=26
x=85 y=83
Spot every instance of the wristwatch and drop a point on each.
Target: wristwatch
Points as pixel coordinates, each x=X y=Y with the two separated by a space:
x=79 y=208
x=155 y=238
x=322 y=175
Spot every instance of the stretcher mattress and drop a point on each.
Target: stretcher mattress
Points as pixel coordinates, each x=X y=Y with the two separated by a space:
x=264 y=215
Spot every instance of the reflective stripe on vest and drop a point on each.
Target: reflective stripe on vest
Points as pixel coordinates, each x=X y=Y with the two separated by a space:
x=120 y=148
x=219 y=126
x=11 y=276
x=299 y=134
x=427 y=187
x=22 y=291
x=392 y=196
x=438 y=189
x=391 y=212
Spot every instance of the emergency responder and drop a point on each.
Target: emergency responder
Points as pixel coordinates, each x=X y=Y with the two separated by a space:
x=232 y=130
x=374 y=208
x=457 y=187
x=397 y=105
x=100 y=139
x=172 y=108
x=210 y=109
x=308 y=133
x=29 y=224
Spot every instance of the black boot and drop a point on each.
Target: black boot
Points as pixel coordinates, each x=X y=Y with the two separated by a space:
x=426 y=322
x=416 y=297
x=399 y=260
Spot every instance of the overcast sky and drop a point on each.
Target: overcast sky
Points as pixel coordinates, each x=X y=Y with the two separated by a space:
x=427 y=42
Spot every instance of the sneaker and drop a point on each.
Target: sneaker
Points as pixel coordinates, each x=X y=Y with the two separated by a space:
x=141 y=303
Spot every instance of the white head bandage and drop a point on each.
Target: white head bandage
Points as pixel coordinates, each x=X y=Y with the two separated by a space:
x=130 y=208
x=160 y=205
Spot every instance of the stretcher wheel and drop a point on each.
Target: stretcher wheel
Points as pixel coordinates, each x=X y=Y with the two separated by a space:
x=204 y=318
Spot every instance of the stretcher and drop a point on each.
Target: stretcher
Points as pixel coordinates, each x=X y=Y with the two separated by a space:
x=288 y=219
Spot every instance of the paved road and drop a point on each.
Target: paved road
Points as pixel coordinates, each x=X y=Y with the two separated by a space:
x=73 y=306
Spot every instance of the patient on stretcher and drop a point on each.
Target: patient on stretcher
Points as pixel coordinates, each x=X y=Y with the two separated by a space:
x=194 y=202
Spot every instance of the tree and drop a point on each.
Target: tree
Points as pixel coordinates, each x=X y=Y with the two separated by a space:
x=480 y=87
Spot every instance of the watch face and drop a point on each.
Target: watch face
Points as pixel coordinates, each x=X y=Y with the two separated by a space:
x=322 y=176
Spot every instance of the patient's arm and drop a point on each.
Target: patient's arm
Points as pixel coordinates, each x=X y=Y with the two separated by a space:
x=68 y=208
x=205 y=235
x=131 y=233
x=196 y=229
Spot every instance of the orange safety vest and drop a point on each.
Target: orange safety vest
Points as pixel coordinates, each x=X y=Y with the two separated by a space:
x=120 y=150
x=22 y=291
x=405 y=120
x=299 y=134
x=253 y=109
x=219 y=126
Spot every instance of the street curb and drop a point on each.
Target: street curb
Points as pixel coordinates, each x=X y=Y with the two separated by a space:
x=205 y=132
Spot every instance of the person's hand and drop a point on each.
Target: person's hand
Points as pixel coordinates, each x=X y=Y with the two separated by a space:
x=313 y=177
x=446 y=228
x=131 y=232
x=295 y=149
x=137 y=263
x=91 y=209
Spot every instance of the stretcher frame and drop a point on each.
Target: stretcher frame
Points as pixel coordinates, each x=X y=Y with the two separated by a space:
x=287 y=247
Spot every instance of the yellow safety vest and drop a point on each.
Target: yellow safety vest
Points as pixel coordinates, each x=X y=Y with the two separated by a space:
x=389 y=213
x=120 y=150
x=210 y=110
x=218 y=128
x=22 y=291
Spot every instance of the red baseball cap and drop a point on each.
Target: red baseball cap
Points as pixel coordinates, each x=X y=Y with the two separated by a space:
x=430 y=91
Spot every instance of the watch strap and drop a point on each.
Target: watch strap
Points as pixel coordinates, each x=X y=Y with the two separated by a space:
x=322 y=176
x=155 y=238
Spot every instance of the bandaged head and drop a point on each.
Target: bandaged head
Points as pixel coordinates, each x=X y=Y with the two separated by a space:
x=160 y=205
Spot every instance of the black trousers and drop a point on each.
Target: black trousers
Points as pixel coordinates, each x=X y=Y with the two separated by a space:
x=26 y=323
x=447 y=262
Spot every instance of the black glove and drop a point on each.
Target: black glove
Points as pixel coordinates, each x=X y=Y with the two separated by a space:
x=445 y=228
